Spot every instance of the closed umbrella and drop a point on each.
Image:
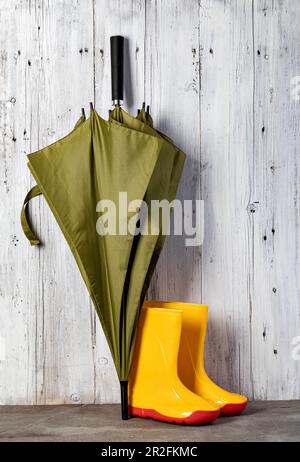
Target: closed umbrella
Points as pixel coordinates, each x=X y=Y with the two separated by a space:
x=95 y=162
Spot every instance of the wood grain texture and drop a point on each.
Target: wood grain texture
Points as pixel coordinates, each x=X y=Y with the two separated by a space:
x=226 y=160
x=44 y=304
x=276 y=167
x=172 y=88
x=217 y=75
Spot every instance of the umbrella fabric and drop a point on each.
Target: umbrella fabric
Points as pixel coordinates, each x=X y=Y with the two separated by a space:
x=97 y=160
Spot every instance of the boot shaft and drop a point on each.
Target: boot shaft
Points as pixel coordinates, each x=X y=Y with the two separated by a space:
x=192 y=341
x=157 y=345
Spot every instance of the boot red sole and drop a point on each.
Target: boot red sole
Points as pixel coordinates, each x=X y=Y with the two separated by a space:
x=233 y=409
x=196 y=418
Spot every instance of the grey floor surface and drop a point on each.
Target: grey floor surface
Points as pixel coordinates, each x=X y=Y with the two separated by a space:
x=262 y=421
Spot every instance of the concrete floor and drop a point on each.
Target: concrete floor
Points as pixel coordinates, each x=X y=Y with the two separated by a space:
x=262 y=421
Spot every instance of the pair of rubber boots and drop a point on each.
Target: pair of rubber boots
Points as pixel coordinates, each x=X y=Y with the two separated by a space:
x=168 y=381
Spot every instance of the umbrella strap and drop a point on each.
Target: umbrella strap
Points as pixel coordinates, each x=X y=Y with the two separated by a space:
x=25 y=222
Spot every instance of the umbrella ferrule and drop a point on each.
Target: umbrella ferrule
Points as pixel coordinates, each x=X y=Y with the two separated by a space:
x=124 y=399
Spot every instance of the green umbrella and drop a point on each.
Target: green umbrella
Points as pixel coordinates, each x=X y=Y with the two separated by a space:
x=96 y=161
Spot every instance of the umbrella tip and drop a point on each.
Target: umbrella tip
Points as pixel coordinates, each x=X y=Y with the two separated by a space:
x=144 y=105
x=124 y=399
x=83 y=112
x=148 y=109
x=91 y=106
x=138 y=111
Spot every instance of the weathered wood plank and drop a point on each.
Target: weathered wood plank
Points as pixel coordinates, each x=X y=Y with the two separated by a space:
x=172 y=66
x=44 y=306
x=276 y=271
x=226 y=159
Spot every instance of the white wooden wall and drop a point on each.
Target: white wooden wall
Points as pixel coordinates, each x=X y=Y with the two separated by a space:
x=217 y=74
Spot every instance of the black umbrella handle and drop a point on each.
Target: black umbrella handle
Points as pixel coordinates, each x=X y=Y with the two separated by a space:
x=117 y=68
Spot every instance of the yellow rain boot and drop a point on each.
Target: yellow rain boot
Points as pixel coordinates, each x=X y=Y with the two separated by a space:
x=191 y=368
x=155 y=391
